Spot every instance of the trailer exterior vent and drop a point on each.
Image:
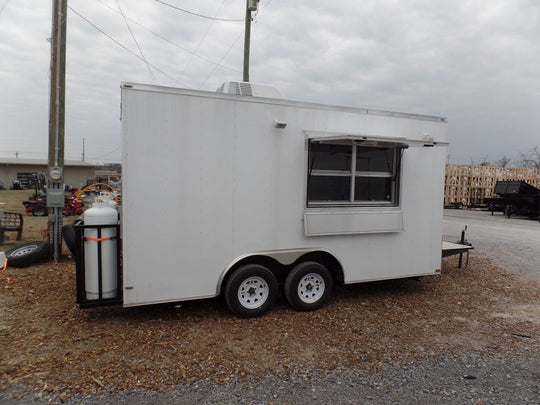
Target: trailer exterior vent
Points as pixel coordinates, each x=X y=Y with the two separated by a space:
x=243 y=89
x=249 y=89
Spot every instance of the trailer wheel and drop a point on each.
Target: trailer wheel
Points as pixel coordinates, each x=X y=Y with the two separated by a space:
x=27 y=254
x=308 y=286
x=251 y=290
x=39 y=211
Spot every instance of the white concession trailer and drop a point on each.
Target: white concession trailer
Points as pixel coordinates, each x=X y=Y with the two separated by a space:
x=240 y=196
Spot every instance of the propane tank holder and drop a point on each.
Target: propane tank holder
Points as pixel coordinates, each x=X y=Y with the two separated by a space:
x=82 y=296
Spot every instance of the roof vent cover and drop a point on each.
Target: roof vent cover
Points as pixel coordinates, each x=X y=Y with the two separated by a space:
x=249 y=89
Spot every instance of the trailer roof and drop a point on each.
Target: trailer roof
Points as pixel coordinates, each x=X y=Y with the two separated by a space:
x=304 y=104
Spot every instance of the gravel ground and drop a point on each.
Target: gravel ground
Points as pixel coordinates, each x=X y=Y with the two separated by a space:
x=467 y=336
x=463 y=378
x=513 y=243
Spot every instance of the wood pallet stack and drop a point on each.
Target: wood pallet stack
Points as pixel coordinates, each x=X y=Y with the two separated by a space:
x=472 y=185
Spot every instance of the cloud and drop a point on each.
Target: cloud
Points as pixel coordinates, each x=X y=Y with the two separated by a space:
x=474 y=62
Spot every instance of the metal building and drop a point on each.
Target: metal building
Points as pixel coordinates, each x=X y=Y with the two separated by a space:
x=76 y=173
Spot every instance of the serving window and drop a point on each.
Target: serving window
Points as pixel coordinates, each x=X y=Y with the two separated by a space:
x=353 y=173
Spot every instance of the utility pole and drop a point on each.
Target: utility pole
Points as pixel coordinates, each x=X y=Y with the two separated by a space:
x=83 y=157
x=55 y=187
x=251 y=5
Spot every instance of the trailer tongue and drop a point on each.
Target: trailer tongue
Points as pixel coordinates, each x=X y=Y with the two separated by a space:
x=450 y=249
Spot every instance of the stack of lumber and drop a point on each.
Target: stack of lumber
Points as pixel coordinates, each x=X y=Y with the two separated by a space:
x=473 y=185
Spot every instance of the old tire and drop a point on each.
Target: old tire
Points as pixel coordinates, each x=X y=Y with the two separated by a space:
x=39 y=210
x=308 y=286
x=68 y=233
x=251 y=290
x=28 y=254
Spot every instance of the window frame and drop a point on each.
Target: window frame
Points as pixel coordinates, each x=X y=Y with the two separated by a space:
x=353 y=174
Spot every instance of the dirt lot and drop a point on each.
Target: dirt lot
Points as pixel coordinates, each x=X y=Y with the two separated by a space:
x=54 y=351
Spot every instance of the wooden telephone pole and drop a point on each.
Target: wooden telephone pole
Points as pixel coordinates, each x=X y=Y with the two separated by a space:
x=251 y=5
x=55 y=187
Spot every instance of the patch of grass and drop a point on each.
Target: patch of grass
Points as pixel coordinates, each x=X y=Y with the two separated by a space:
x=11 y=200
x=34 y=228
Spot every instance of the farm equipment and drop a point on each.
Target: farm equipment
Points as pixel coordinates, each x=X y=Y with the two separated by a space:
x=37 y=203
x=38 y=206
x=90 y=192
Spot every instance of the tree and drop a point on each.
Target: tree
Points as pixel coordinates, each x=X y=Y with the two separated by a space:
x=503 y=161
x=485 y=161
x=530 y=159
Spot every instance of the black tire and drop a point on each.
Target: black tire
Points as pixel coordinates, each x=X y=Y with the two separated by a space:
x=28 y=254
x=68 y=233
x=251 y=291
x=40 y=210
x=308 y=286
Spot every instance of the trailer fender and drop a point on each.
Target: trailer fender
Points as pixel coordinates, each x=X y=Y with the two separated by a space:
x=282 y=261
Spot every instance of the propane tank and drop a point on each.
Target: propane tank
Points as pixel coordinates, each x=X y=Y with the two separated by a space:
x=102 y=212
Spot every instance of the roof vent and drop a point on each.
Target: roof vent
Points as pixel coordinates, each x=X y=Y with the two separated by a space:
x=249 y=89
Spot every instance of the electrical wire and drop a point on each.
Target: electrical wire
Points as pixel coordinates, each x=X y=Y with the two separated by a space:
x=198 y=15
x=230 y=48
x=224 y=56
x=125 y=48
x=136 y=42
x=169 y=41
x=105 y=155
x=203 y=38
x=4 y=6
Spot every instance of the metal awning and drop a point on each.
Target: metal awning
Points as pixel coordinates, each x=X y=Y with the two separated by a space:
x=348 y=139
x=368 y=140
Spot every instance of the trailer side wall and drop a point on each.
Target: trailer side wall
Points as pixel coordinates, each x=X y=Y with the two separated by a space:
x=209 y=178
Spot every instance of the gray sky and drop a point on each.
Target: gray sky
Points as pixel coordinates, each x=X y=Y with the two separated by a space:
x=475 y=62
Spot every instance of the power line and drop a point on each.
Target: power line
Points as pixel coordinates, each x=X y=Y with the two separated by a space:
x=230 y=48
x=125 y=48
x=204 y=37
x=106 y=154
x=135 y=40
x=224 y=56
x=196 y=14
x=4 y=6
x=169 y=41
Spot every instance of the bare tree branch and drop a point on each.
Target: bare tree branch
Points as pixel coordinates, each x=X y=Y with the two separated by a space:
x=530 y=159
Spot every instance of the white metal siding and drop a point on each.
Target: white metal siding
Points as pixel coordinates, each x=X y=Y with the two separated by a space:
x=208 y=178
